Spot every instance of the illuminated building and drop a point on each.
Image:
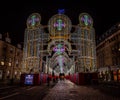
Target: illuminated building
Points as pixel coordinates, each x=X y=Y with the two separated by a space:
x=108 y=50
x=10 y=59
x=55 y=48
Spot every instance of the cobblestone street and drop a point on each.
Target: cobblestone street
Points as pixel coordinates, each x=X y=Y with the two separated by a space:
x=66 y=90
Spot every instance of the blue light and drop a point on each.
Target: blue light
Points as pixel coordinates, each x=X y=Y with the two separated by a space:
x=61 y=11
x=29 y=79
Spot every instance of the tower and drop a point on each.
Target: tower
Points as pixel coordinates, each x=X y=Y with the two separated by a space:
x=32 y=44
x=86 y=43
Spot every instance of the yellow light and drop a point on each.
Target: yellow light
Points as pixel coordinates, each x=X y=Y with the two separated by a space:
x=2 y=63
x=9 y=64
x=59 y=37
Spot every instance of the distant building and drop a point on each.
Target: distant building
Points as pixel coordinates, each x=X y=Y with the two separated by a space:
x=108 y=50
x=10 y=59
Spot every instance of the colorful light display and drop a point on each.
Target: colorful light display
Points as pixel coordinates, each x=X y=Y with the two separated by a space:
x=39 y=44
x=60 y=60
x=33 y=20
x=29 y=79
x=59 y=24
x=59 y=49
x=86 y=20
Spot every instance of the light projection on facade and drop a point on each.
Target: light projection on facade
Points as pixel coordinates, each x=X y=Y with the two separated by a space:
x=59 y=48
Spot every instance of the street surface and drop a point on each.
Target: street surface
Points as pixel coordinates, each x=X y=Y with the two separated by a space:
x=66 y=90
x=62 y=90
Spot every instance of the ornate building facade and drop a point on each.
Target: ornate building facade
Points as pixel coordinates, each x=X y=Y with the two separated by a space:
x=10 y=59
x=59 y=47
x=108 y=48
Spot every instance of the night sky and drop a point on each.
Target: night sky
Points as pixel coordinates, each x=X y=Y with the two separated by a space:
x=13 y=16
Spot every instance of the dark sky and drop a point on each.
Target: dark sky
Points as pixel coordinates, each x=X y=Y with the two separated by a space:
x=13 y=15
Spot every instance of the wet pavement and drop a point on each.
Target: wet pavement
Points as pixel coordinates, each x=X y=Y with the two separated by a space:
x=62 y=90
x=66 y=90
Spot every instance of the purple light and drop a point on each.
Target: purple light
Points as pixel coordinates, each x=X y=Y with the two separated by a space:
x=59 y=24
x=33 y=20
x=86 y=20
x=57 y=49
x=30 y=21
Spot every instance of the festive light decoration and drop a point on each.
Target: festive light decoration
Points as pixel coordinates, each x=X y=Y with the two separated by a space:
x=85 y=19
x=38 y=44
x=59 y=49
x=60 y=60
x=33 y=20
x=59 y=24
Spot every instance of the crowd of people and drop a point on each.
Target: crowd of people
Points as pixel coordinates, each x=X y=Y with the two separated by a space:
x=55 y=79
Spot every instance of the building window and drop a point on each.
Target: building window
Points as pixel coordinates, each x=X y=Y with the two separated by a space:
x=2 y=63
x=10 y=60
x=11 y=50
x=18 y=53
x=4 y=48
x=8 y=72
x=17 y=63
x=9 y=64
